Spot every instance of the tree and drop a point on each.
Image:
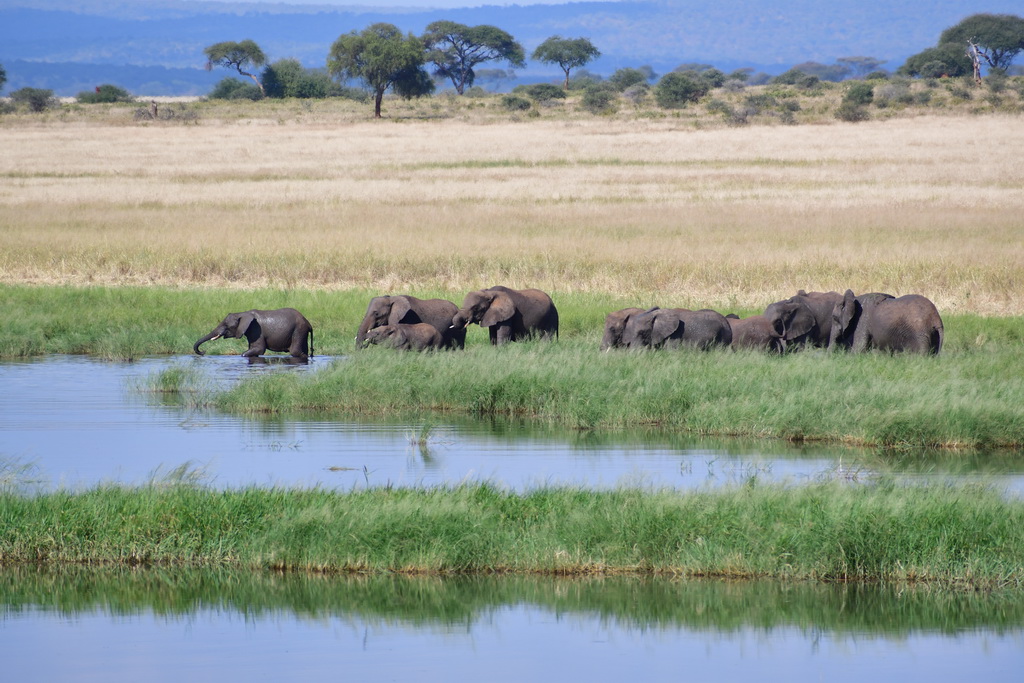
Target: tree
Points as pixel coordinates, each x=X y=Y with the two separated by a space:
x=382 y=58
x=861 y=66
x=237 y=56
x=999 y=38
x=947 y=59
x=676 y=89
x=37 y=99
x=455 y=49
x=626 y=77
x=567 y=53
x=105 y=93
x=288 y=78
x=3 y=77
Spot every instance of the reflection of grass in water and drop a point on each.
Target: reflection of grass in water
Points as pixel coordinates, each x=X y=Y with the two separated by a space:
x=835 y=531
x=429 y=601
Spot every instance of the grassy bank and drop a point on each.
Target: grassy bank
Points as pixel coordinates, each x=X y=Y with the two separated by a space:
x=832 y=532
x=971 y=396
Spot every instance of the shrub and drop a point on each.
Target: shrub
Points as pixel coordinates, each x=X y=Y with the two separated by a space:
x=893 y=94
x=475 y=91
x=600 y=99
x=625 y=78
x=860 y=93
x=541 y=92
x=849 y=111
x=234 y=89
x=288 y=78
x=637 y=93
x=104 y=93
x=797 y=78
x=676 y=90
x=36 y=99
x=877 y=76
x=515 y=103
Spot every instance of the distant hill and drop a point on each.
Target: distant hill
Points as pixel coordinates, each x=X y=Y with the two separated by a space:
x=39 y=38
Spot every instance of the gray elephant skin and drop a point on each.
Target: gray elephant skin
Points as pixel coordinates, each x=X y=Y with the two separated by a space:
x=676 y=327
x=509 y=314
x=403 y=337
x=908 y=323
x=402 y=309
x=805 y=317
x=758 y=333
x=615 y=327
x=283 y=329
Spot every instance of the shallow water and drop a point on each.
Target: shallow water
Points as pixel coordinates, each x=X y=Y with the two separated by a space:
x=79 y=624
x=73 y=421
x=77 y=421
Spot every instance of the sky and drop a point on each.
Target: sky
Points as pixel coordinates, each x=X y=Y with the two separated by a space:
x=443 y=4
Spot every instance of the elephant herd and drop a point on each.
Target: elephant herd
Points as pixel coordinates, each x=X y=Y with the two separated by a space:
x=817 y=319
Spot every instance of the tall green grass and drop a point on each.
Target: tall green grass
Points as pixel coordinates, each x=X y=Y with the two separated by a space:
x=967 y=536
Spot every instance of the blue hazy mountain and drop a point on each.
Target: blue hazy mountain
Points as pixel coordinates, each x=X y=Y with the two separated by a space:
x=71 y=45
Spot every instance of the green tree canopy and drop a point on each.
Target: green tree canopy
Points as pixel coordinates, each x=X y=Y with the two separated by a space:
x=567 y=53
x=675 y=90
x=105 y=93
x=238 y=56
x=455 y=49
x=948 y=59
x=999 y=37
x=3 y=77
x=382 y=58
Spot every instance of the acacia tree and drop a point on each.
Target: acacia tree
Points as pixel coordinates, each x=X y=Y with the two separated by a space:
x=997 y=38
x=382 y=58
x=237 y=56
x=455 y=49
x=567 y=53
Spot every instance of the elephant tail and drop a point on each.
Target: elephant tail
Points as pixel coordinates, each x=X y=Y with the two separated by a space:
x=310 y=342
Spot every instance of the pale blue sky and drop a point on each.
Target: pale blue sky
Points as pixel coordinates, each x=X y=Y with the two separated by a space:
x=443 y=4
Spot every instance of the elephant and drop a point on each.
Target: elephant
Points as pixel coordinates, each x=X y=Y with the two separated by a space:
x=509 y=314
x=284 y=329
x=757 y=332
x=615 y=325
x=404 y=337
x=880 y=321
x=674 y=327
x=805 y=317
x=405 y=309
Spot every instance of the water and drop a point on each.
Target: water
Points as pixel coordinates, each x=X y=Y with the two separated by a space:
x=77 y=624
x=78 y=421
x=74 y=421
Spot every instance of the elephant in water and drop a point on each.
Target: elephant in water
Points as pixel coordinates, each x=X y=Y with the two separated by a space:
x=283 y=329
x=404 y=309
x=509 y=314
x=806 y=317
x=415 y=337
x=757 y=332
x=880 y=321
x=674 y=327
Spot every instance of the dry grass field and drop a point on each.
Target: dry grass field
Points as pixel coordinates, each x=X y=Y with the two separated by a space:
x=652 y=209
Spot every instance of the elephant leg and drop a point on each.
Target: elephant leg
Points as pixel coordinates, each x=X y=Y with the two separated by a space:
x=257 y=347
x=502 y=335
x=298 y=348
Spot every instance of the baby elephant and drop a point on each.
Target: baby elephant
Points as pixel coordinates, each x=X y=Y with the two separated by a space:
x=757 y=332
x=406 y=336
x=284 y=329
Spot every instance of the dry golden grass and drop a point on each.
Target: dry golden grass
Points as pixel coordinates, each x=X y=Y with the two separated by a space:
x=649 y=209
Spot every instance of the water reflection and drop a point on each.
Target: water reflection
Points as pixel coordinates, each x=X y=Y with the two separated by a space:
x=80 y=421
x=238 y=624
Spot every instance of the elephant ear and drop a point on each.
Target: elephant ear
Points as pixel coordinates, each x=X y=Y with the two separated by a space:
x=500 y=310
x=245 y=321
x=848 y=311
x=400 y=308
x=779 y=326
x=665 y=325
x=799 y=322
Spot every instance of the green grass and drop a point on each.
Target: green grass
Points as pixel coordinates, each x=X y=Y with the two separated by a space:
x=836 y=531
x=852 y=608
x=971 y=396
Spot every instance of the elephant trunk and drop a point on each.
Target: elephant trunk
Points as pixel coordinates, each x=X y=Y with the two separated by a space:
x=364 y=329
x=461 y=320
x=210 y=337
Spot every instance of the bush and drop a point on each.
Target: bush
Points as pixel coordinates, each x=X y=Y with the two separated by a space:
x=234 y=89
x=893 y=94
x=637 y=93
x=859 y=93
x=797 y=78
x=105 y=93
x=851 y=112
x=877 y=76
x=36 y=99
x=541 y=92
x=288 y=78
x=600 y=99
x=515 y=103
x=676 y=90
x=625 y=78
